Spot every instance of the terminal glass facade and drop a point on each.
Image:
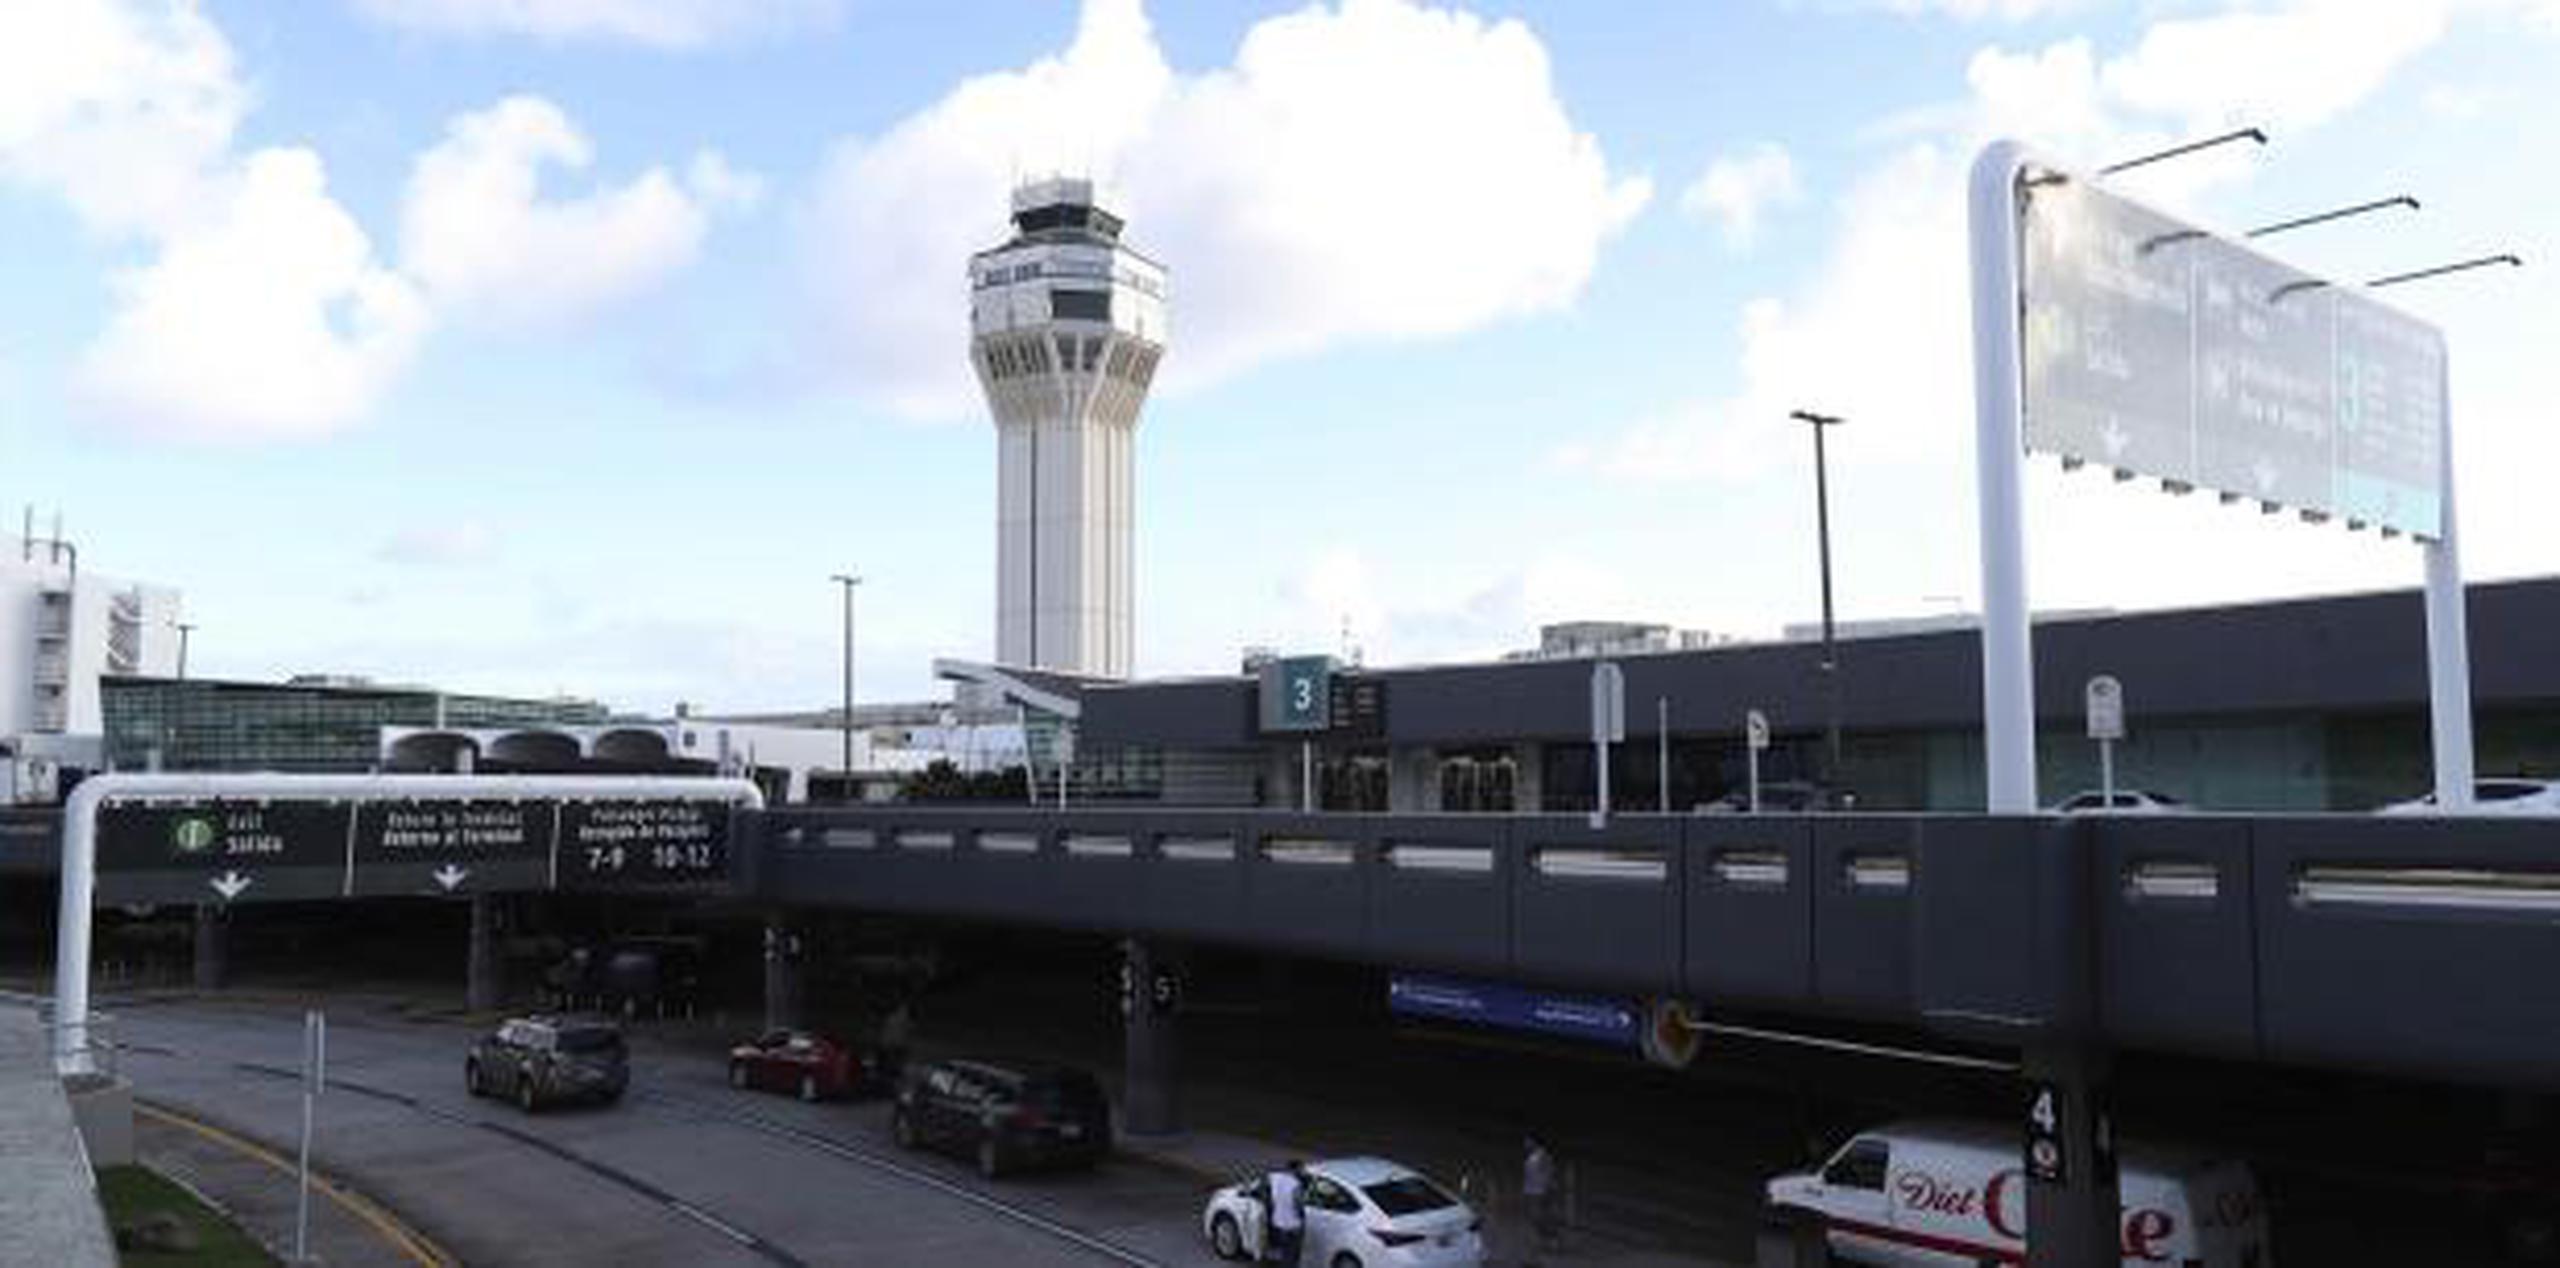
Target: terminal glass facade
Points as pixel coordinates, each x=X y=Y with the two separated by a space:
x=200 y=724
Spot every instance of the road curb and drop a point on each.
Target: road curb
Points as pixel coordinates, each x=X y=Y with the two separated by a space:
x=402 y=1237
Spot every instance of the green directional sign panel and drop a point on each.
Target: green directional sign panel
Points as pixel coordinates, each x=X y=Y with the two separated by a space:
x=221 y=851
x=1297 y=694
x=642 y=844
x=453 y=847
x=248 y=851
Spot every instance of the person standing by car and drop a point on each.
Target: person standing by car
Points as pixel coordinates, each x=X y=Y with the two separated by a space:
x=1538 y=1190
x=1284 y=1219
x=897 y=1031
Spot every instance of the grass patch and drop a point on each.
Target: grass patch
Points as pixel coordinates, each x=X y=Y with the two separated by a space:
x=130 y=1194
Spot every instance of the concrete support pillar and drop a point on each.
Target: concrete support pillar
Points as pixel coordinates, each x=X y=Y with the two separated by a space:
x=2072 y=1204
x=485 y=986
x=1413 y=781
x=1528 y=788
x=781 y=974
x=1150 y=999
x=213 y=951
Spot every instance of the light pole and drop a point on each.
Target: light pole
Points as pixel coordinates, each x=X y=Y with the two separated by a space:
x=848 y=581
x=1821 y=423
x=184 y=629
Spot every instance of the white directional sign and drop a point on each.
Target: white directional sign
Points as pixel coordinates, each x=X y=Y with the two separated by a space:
x=2105 y=699
x=1755 y=728
x=2155 y=347
x=1608 y=703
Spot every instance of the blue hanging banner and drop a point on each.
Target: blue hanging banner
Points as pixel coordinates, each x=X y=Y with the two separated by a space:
x=1592 y=1018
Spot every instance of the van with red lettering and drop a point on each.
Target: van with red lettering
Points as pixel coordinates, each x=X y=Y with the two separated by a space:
x=1953 y=1195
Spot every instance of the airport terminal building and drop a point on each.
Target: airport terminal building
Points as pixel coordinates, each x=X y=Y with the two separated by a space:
x=2316 y=704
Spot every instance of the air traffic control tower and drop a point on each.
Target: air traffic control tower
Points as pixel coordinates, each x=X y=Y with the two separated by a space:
x=1067 y=325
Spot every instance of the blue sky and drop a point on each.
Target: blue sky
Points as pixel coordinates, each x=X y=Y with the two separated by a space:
x=571 y=344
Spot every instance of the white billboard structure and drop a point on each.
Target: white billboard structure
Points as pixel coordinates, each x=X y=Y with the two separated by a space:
x=2108 y=333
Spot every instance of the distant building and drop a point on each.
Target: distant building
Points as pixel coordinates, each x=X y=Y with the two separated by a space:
x=313 y=723
x=1567 y=640
x=63 y=630
x=1067 y=325
x=2302 y=704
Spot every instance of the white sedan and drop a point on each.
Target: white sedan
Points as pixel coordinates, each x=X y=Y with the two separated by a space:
x=2124 y=801
x=2501 y=796
x=1361 y=1213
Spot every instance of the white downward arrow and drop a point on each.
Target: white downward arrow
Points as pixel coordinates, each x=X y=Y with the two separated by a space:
x=450 y=875
x=2114 y=438
x=230 y=885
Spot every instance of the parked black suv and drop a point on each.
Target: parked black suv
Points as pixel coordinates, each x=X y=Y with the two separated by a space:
x=539 y=1060
x=1003 y=1114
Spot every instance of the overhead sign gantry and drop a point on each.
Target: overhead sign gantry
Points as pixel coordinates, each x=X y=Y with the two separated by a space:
x=2110 y=333
x=221 y=838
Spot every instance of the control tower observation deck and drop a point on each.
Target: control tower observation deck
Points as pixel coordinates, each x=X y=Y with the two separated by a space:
x=1066 y=327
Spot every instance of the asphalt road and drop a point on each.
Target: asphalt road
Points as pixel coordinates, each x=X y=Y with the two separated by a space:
x=685 y=1171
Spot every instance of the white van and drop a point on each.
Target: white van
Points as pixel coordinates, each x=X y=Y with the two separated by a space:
x=1953 y=1195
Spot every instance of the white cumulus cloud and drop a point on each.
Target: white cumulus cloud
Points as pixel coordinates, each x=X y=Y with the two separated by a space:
x=1978 y=10
x=266 y=317
x=666 y=24
x=477 y=232
x=258 y=308
x=1736 y=189
x=119 y=109
x=1372 y=169
x=447 y=544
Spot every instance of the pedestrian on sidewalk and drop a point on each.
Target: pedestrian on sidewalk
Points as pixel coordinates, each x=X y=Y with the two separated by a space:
x=1284 y=1216
x=1538 y=1190
x=897 y=1031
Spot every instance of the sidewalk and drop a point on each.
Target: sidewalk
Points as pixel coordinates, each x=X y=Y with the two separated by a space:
x=254 y=1185
x=48 y=1198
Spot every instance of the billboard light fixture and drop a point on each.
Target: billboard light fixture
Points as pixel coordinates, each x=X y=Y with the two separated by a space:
x=2507 y=258
x=2339 y=213
x=2228 y=498
x=2310 y=516
x=2176 y=488
x=2172 y=238
x=2270 y=508
x=2071 y=463
x=2123 y=475
x=2238 y=134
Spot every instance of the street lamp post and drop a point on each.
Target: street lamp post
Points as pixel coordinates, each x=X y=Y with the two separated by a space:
x=848 y=581
x=184 y=629
x=1821 y=423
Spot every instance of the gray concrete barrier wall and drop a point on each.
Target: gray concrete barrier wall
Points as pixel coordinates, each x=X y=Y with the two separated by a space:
x=2398 y=945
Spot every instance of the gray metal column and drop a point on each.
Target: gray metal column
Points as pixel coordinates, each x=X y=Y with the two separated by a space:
x=213 y=951
x=781 y=974
x=2073 y=1214
x=1150 y=997
x=484 y=973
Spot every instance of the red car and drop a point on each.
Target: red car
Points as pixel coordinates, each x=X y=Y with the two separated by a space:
x=796 y=1061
